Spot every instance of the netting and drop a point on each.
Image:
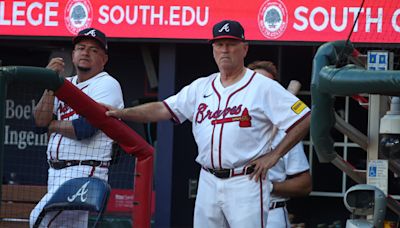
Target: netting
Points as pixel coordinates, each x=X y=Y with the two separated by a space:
x=26 y=178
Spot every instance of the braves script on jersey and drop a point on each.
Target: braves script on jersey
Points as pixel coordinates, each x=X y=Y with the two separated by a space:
x=233 y=125
x=102 y=88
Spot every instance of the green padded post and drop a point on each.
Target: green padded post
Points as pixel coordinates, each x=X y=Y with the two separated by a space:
x=21 y=74
x=328 y=81
x=322 y=115
x=49 y=79
x=352 y=79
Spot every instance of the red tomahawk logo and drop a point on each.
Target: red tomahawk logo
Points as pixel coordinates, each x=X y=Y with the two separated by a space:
x=244 y=119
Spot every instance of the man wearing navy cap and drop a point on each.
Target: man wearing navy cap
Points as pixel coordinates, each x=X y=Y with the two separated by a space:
x=232 y=112
x=76 y=148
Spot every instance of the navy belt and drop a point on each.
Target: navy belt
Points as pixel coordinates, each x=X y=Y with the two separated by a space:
x=61 y=164
x=227 y=173
x=277 y=204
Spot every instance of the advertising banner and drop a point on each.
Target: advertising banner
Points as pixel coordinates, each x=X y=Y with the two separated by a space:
x=263 y=20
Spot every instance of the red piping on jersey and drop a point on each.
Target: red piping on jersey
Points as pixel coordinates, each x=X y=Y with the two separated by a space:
x=76 y=83
x=58 y=147
x=297 y=122
x=212 y=145
x=67 y=115
x=174 y=117
x=220 y=147
x=222 y=125
x=84 y=87
x=212 y=135
x=227 y=120
x=92 y=171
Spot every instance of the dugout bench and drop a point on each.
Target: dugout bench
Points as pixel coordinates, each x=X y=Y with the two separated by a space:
x=17 y=202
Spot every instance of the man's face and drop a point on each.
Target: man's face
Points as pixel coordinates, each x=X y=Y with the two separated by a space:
x=229 y=53
x=89 y=56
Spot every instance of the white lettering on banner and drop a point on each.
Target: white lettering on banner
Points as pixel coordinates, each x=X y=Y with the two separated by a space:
x=113 y=14
x=23 y=139
x=34 y=21
x=174 y=15
x=335 y=27
x=395 y=26
x=17 y=13
x=306 y=18
x=33 y=13
x=19 y=111
x=299 y=15
x=3 y=20
x=188 y=16
x=377 y=20
x=133 y=20
x=50 y=13
x=144 y=10
x=18 y=137
x=325 y=16
x=354 y=11
x=152 y=15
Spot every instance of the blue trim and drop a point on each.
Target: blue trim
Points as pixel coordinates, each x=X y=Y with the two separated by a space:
x=164 y=157
x=83 y=129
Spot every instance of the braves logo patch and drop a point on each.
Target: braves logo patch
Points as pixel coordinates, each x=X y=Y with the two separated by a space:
x=298 y=107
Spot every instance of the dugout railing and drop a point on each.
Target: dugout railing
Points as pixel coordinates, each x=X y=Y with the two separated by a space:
x=128 y=139
x=330 y=79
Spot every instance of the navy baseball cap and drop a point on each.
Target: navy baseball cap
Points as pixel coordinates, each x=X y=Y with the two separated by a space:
x=228 y=29
x=91 y=33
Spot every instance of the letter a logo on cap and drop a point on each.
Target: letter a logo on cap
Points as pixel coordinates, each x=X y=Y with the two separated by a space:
x=228 y=29
x=91 y=32
x=224 y=28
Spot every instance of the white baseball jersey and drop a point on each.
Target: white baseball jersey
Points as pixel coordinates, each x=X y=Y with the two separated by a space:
x=104 y=89
x=294 y=162
x=233 y=125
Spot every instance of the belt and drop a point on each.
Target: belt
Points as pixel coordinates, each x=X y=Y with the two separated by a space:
x=61 y=164
x=227 y=173
x=277 y=205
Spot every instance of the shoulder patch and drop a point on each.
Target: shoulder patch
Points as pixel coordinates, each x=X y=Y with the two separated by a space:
x=298 y=107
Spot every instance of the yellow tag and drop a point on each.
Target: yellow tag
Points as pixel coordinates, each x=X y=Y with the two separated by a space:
x=298 y=107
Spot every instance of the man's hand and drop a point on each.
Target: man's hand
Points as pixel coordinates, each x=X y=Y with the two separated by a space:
x=262 y=165
x=112 y=111
x=57 y=64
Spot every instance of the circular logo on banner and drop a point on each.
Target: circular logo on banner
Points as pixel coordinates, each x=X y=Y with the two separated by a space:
x=78 y=15
x=272 y=19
